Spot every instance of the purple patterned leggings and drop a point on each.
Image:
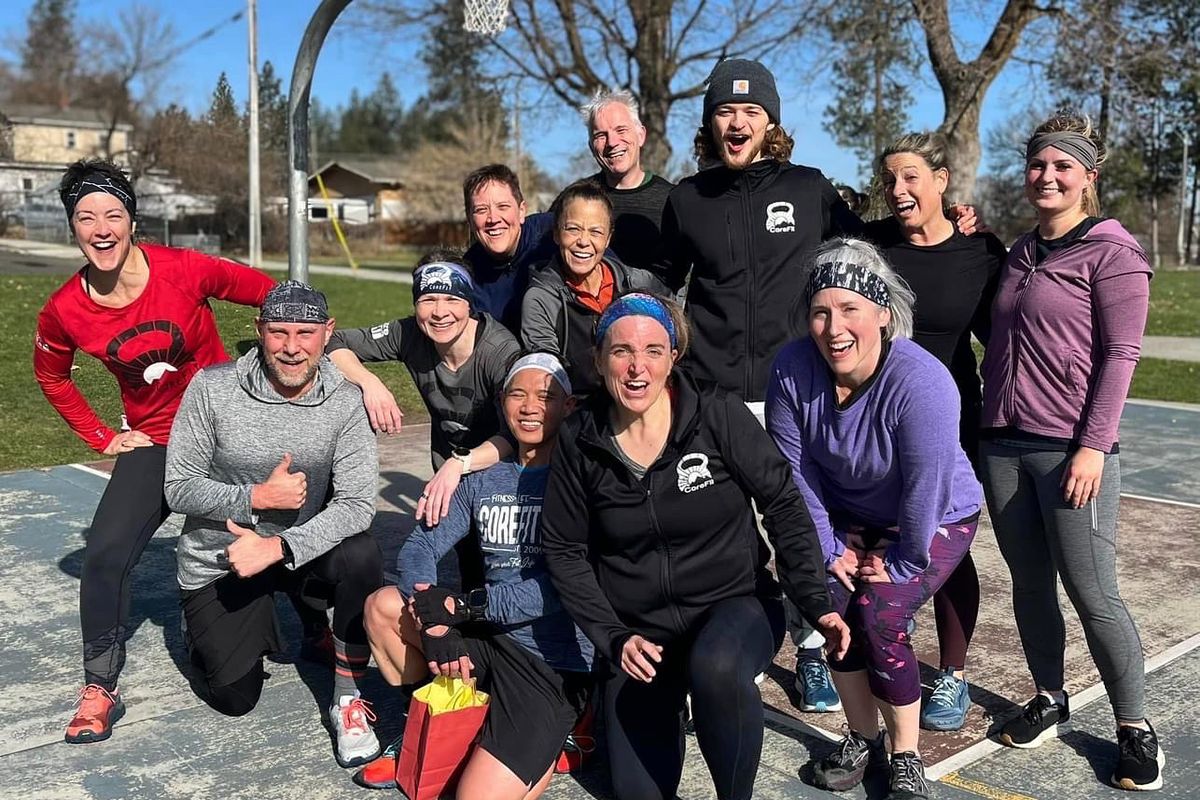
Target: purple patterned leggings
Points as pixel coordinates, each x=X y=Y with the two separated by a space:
x=878 y=615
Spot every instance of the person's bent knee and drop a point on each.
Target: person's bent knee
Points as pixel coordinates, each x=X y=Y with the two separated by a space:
x=235 y=699
x=381 y=612
x=361 y=561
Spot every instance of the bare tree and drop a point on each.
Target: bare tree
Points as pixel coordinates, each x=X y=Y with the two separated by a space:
x=662 y=50
x=964 y=83
x=129 y=63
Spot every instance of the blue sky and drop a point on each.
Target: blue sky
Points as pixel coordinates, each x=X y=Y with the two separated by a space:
x=354 y=58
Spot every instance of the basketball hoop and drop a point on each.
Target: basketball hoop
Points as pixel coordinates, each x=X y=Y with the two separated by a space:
x=486 y=17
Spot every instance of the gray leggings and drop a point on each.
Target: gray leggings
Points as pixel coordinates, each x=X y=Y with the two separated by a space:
x=1041 y=537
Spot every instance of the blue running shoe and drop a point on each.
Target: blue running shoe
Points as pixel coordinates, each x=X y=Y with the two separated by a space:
x=815 y=685
x=947 y=706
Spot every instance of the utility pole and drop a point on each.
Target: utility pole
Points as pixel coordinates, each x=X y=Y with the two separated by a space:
x=255 y=187
x=1181 y=229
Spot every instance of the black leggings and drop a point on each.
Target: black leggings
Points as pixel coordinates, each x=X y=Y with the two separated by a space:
x=131 y=510
x=717 y=663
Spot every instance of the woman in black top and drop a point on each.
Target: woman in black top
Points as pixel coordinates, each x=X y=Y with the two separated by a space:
x=653 y=547
x=954 y=279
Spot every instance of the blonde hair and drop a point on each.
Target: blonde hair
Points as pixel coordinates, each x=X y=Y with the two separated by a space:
x=1066 y=121
x=930 y=146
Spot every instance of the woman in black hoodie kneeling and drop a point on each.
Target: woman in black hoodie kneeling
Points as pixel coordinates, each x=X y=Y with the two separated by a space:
x=652 y=544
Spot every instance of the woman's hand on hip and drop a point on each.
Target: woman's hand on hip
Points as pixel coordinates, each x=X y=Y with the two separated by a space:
x=845 y=568
x=873 y=570
x=1081 y=478
x=125 y=441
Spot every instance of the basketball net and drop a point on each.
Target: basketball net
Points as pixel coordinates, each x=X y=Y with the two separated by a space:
x=487 y=17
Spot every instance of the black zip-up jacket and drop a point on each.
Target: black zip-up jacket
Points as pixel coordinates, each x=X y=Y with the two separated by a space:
x=745 y=237
x=554 y=321
x=651 y=556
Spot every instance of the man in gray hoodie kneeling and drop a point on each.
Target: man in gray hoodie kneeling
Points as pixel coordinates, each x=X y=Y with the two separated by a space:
x=250 y=439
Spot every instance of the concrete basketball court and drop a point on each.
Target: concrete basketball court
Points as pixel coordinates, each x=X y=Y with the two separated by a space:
x=170 y=745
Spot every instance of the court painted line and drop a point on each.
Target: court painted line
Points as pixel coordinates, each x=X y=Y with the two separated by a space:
x=1163 y=404
x=1164 y=501
x=985 y=748
x=981 y=789
x=90 y=470
x=800 y=726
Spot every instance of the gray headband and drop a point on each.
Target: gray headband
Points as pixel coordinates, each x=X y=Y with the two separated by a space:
x=1076 y=145
x=847 y=275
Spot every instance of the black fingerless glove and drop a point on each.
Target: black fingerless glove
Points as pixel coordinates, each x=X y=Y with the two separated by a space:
x=430 y=605
x=443 y=649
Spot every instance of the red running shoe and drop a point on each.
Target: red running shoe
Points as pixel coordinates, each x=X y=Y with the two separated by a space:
x=98 y=710
x=381 y=773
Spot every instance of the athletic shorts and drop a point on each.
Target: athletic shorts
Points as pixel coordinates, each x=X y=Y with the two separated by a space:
x=533 y=707
x=231 y=625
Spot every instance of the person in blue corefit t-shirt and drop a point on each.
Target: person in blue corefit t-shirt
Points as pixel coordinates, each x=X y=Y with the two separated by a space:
x=513 y=636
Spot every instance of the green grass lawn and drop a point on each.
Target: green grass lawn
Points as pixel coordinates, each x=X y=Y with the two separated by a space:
x=1174 y=304
x=33 y=433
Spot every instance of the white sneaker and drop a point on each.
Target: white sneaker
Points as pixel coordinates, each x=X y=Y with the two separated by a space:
x=356 y=742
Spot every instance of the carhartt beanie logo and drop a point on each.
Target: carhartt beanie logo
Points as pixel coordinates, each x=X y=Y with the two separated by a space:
x=739 y=80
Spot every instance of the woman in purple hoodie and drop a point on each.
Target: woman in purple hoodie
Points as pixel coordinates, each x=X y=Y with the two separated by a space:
x=869 y=421
x=1066 y=333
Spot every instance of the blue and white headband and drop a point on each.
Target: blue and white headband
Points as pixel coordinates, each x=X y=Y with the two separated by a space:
x=636 y=304
x=543 y=362
x=92 y=182
x=443 y=277
x=847 y=275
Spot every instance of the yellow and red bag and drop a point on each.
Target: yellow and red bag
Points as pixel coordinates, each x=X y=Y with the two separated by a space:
x=444 y=722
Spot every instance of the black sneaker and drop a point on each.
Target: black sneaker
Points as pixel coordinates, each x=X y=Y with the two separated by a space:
x=908 y=778
x=1139 y=766
x=1039 y=721
x=844 y=768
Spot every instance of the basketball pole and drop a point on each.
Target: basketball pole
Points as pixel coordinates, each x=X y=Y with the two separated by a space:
x=298 y=100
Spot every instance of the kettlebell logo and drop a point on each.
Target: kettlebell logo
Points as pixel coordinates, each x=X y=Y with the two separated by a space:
x=781 y=217
x=693 y=473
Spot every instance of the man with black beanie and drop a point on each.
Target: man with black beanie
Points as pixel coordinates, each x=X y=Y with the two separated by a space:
x=743 y=229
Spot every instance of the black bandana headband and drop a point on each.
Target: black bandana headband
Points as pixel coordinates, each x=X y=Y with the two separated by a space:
x=847 y=275
x=293 y=301
x=99 y=182
x=1076 y=145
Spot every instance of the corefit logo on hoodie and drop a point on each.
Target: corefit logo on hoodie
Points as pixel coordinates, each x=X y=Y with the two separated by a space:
x=781 y=218
x=693 y=473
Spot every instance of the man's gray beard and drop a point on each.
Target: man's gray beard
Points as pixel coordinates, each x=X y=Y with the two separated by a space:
x=272 y=368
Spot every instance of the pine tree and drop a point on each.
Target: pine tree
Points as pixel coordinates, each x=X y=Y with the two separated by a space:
x=48 y=54
x=872 y=67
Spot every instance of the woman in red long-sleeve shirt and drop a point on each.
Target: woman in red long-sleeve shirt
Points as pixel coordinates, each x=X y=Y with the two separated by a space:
x=143 y=311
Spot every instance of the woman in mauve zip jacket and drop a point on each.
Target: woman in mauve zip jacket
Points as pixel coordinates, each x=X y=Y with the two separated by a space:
x=1067 y=328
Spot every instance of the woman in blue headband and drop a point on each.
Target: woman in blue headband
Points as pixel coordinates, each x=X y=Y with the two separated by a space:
x=653 y=546
x=869 y=421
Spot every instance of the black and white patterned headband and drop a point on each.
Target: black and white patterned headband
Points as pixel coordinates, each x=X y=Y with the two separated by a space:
x=99 y=182
x=847 y=275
